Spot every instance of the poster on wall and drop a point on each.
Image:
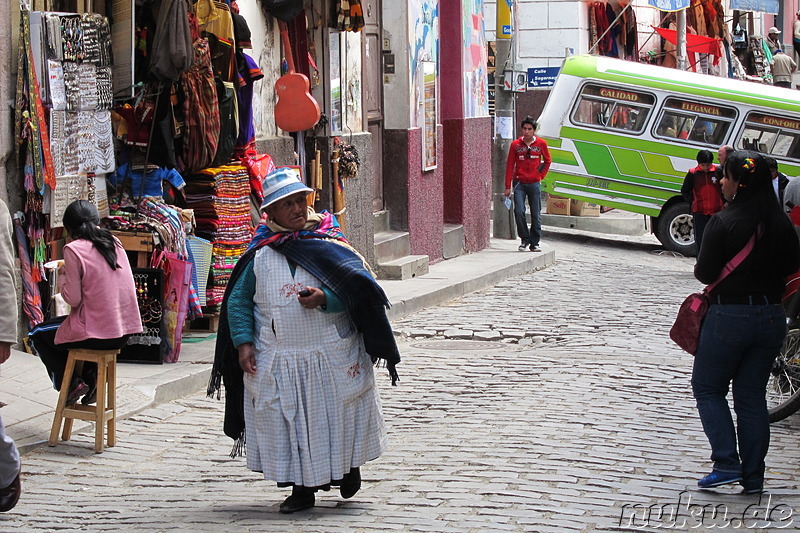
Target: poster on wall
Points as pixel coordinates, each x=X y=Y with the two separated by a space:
x=428 y=115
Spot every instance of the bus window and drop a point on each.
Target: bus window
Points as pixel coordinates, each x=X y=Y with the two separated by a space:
x=607 y=108
x=693 y=122
x=771 y=135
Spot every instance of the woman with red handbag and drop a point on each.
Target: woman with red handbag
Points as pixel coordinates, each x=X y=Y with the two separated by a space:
x=745 y=325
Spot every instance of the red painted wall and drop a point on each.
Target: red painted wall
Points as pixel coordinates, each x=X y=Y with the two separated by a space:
x=425 y=215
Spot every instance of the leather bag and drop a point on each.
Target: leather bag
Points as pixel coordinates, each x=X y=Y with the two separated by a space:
x=685 y=332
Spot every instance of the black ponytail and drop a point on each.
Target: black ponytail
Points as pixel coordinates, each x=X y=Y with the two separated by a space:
x=82 y=221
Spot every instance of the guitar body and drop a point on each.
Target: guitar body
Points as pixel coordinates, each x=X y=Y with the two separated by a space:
x=296 y=109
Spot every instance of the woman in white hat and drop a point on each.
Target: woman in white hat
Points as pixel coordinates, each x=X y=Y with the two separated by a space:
x=302 y=323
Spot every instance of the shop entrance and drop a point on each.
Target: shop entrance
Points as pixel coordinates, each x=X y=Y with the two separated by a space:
x=373 y=94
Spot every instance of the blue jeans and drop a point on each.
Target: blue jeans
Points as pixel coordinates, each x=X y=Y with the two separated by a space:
x=531 y=191
x=739 y=344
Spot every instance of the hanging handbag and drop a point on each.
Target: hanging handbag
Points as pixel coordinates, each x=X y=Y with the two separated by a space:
x=685 y=332
x=177 y=284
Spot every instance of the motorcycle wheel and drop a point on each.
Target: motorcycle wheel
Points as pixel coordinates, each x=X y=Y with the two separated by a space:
x=783 y=388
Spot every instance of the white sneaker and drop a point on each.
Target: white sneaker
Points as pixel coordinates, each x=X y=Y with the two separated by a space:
x=535 y=248
x=522 y=248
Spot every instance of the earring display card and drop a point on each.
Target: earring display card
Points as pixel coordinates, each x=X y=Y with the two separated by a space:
x=146 y=346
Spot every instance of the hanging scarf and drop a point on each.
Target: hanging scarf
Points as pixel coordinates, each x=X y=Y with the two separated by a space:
x=321 y=249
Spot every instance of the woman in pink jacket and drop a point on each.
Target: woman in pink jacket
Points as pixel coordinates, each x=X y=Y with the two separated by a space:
x=97 y=282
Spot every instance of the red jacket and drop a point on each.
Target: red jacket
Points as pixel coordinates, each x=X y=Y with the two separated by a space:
x=527 y=164
x=703 y=190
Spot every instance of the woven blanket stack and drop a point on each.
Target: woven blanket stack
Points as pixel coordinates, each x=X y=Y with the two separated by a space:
x=220 y=197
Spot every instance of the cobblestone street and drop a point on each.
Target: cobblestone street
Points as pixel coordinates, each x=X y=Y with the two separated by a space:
x=552 y=402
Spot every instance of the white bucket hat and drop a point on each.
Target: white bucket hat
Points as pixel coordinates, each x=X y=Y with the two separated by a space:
x=280 y=183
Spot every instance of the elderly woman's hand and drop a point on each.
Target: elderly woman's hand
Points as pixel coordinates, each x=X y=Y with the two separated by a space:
x=247 y=358
x=314 y=299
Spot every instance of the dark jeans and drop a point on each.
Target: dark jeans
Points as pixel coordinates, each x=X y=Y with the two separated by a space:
x=739 y=344
x=700 y=221
x=531 y=191
x=54 y=356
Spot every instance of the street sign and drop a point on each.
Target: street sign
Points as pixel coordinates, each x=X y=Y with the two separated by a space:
x=670 y=5
x=542 y=76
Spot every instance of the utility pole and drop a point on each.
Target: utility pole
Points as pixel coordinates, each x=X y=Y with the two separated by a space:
x=503 y=219
x=681 y=38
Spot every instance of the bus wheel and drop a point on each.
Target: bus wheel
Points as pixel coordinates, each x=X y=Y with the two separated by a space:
x=676 y=229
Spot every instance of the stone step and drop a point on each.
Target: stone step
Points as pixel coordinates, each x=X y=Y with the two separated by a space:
x=391 y=245
x=410 y=266
x=453 y=241
x=380 y=221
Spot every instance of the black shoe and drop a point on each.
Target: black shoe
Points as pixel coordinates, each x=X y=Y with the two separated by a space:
x=9 y=496
x=91 y=396
x=300 y=500
x=351 y=483
x=77 y=389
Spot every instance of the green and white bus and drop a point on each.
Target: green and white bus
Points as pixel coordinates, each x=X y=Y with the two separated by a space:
x=624 y=134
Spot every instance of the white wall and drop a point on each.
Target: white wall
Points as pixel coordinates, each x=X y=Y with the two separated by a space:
x=266 y=52
x=396 y=92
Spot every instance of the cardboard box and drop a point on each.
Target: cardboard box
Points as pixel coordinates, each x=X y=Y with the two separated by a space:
x=579 y=208
x=557 y=205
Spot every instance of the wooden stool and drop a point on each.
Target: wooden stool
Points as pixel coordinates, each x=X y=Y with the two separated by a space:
x=101 y=413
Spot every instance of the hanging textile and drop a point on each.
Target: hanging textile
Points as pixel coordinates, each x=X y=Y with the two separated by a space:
x=201 y=110
x=630 y=33
x=31 y=130
x=31 y=297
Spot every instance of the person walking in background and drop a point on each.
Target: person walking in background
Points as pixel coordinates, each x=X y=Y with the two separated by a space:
x=701 y=189
x=783 y=67
x=796 y=36
x=527 y=164
x=303 y=320
x=96 y=281
x=745 y=325
x=722 y=153
x=773 y=40
x=779 y=179
x=10 y=486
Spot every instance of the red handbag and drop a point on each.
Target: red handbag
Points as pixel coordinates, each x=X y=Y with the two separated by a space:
x=685 y=332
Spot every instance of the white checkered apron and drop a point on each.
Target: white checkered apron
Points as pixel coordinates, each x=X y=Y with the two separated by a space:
x=312 y=411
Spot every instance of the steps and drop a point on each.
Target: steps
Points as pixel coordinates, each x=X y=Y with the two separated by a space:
x=393 y=249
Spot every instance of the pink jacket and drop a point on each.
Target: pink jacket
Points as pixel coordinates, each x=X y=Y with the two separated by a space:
x=103 y=300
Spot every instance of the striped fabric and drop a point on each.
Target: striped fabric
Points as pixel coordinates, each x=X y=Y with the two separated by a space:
x=201 y=108
x=220 y=197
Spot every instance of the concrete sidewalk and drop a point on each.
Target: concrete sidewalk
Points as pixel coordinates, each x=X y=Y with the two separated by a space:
x=30 y=399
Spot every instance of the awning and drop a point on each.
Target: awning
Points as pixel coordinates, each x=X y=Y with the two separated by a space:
x=671 y=5
x=764 y=6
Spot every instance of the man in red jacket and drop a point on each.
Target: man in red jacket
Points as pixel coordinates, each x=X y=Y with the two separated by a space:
x=528 y=162
x=702 y=190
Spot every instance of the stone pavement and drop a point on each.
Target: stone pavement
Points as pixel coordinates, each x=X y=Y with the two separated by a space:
x=550 y=402
x=30 y=399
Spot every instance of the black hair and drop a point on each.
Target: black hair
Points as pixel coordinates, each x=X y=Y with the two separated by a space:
x=529 y=120
x=82 y=220
x=751 y=173
x=771 y=162
x=705 y=156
